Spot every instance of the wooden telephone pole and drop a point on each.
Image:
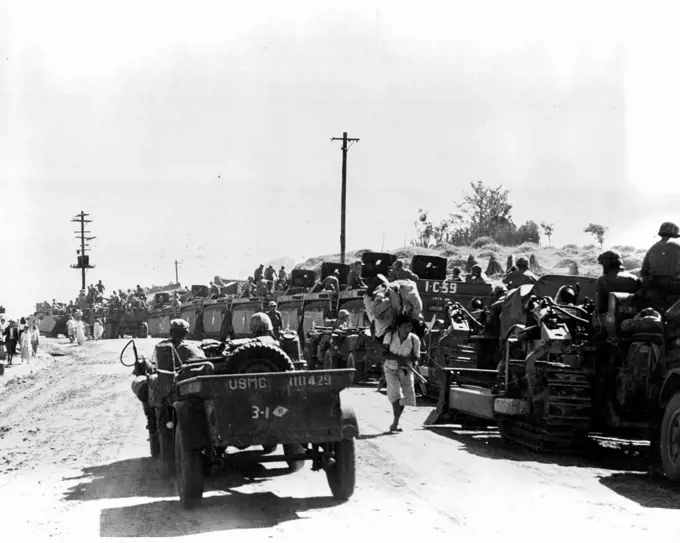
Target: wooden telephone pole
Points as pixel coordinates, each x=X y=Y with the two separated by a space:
x=343 y=203
x=83 y=260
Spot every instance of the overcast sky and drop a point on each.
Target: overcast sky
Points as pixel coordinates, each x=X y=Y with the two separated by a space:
x=200 y=131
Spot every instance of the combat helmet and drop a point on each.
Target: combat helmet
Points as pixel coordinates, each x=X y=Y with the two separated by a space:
x=611 y=260
x=343 y=313
x=669 y=229
x=261 y=325
x=179 y=326
x=522 y=263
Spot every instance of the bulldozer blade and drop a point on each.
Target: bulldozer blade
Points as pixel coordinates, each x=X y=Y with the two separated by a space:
x=435 y=417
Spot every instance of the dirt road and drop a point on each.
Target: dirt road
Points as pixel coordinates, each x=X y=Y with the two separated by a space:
x=74 y=465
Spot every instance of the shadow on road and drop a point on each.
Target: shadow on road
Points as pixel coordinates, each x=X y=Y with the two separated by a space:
x=137 y=477
x=122 y=479
x=232 y=511
x=373 y=436
x=596 y=452
x=647 y=489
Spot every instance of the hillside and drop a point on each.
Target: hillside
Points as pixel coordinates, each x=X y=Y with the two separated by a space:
x=549 y=259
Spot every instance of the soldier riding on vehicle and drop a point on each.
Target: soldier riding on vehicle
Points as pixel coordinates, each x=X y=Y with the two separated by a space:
x=275 y=317
x=399 y=272
x=613 y=279
x=144 y=372
x=521 y=275
x=661 y=265
x=354 y=280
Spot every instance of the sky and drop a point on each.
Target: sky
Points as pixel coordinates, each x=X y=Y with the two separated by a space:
x=200 y=132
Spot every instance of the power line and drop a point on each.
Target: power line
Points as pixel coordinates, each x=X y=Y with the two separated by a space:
x=343 y=196
x=83 y=259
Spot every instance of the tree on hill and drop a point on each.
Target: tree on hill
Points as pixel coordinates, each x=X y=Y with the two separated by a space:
x=528 y=232
x=548 y=230
x=484 y=212
x=487 y=208
x=598 y=231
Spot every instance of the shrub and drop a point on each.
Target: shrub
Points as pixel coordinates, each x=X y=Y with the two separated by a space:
x=589 y=260
x=570 y=247
x=481 y=242
x=590 y=246
x=632 y=262
x=487 y=254
x=527 y=248
x=456 y=263
x=491 y=247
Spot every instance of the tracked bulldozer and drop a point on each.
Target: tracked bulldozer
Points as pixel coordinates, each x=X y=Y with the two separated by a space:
x=567 y=371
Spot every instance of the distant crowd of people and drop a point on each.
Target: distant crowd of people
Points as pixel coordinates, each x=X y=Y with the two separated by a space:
x=94 y=298
x=264 y=281
x=18 y=339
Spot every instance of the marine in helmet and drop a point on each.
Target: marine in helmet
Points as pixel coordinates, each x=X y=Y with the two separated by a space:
x=399 y=272
x=456 y=274
x=613 y=279
x=276 y=318
x=354 y=280
x=261 y=326
x=521 y=275
x=332 y=282
x=662 y=261
x=493 y=321
x=248 y=287
x=477 y=276
x=342 y=322
x=187 y=352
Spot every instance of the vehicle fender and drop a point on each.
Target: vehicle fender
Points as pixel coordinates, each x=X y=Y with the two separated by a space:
x=671 y=385
x=350 y=426
x=191 y=415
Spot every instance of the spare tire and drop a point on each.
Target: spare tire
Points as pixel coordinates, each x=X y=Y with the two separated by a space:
x=259 y=357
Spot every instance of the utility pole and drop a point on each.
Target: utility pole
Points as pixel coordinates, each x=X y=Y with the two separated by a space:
x=83 y=260
x=343 y=203
x=176 y=273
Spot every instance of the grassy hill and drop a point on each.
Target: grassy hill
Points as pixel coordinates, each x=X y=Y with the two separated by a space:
x=548 y=259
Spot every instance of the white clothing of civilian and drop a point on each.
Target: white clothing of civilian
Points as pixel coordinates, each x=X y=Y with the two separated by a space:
x=399 y=380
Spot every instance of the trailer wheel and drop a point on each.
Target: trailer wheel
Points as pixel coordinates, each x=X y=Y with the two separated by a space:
x=294 y=465
x=166 y=444
x=259 y=357
x=342 y=474
x=189 y=472
x=670 y=439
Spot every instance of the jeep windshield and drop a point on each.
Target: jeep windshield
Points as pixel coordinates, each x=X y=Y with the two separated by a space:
x=290 y=316
x=313 y=317
x=240 y=320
